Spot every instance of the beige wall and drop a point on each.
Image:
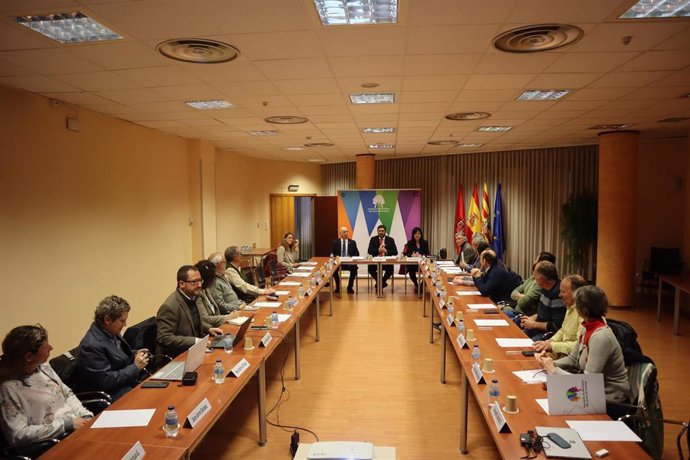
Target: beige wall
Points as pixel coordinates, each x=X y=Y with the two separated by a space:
x=662 y=196
x=106 y=211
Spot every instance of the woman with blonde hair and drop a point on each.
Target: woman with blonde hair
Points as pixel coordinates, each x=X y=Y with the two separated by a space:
x=288 y=251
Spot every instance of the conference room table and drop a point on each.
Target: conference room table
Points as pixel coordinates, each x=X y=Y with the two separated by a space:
x=117 y=441
x=505 y=362
x=680 y=283
x=379 y=262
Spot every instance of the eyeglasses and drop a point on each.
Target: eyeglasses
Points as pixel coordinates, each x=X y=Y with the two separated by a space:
x=199 y=281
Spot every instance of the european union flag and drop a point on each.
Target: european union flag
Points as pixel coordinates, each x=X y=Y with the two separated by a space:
x=498 y=243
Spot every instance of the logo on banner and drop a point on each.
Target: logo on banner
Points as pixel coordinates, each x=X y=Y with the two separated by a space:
x=379 y=202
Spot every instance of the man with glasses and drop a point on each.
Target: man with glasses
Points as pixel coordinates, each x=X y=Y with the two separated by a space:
x=345 y=247
x=179 y=320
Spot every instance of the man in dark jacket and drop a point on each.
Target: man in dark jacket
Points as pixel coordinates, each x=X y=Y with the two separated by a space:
x=345 y=247
x=492 y=279
x=381 y=245
x=105 y=361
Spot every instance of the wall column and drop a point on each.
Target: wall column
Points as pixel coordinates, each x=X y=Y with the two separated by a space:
x=366 y=171
x=686 y=223
x=202 y=197
x=618 y=152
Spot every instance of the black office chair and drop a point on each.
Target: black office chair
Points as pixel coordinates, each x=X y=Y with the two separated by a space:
x=65 y=366
x=32 y=451
x=662 y=261
x=143 y=335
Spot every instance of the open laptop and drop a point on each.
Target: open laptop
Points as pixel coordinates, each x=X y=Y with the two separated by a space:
x=218 y=341
x=174 y=370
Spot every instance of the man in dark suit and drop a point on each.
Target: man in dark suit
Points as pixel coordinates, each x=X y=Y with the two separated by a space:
x=179 y=320
x=492 y=278
x=105 y=362
x=382 y=245
x=345 y=247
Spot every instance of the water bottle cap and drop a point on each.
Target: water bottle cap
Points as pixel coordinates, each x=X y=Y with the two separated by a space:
x=218 y=360
x=494 y=380
x=171 y=407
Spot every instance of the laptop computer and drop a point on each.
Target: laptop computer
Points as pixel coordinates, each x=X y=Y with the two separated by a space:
x=174 y=370
x=576 y=448
x=218 y=341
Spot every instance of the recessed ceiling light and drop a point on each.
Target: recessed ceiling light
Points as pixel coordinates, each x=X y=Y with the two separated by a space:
x=443 y=142
x=463 y=116
x=381 y=146
x=286 y=120
x=372 y=98
x=319 y=144
x=293 y=148
x=658 y=9
x=198 y=50
x=377 y=130
x=210 y=105
x=542 y=94
x=612 y=126
x=267 y=132
x=354 y=12
x=468 y=146
x=73 y=27
x=315 y=160
x=494 y=129
x=369 y=84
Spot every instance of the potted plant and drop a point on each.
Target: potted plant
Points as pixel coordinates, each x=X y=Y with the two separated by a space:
x=579 y=229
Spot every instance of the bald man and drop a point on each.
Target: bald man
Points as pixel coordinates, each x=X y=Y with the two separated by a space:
x=345 y=247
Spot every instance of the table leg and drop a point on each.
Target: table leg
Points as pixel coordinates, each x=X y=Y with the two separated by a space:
x=431 y=321
x=297 y=357
x=443 y=354
x=463 y=411
x=424 y=299
x=658 y=302
x=676 y=313
x=261 y=381
x=379 y=278
x=318 y=314
x=330 y=298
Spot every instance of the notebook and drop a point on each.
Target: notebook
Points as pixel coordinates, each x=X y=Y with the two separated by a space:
x=219 y=341
x=174 y=370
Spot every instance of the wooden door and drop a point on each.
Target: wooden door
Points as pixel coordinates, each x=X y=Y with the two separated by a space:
x=325 y=224
x=282 y=217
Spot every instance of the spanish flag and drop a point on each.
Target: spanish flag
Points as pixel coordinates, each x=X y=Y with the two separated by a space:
x=486 y=214
x=474 y=221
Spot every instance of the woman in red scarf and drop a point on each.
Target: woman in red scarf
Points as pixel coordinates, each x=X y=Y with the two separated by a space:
x=597 y=350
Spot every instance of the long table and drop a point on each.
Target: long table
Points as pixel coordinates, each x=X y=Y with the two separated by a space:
x=680 y=283
x=530 y=413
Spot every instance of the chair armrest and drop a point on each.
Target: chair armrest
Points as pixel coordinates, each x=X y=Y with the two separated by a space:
x=96 y=405
x=94 y=395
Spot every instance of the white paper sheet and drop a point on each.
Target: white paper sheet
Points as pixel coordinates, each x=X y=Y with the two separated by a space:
x=514 y=343
x=289 y=283
x=357 y=257
x=239 y=320
x=279 y=293
x=604 y=430
x=468 y=293
x=305 y=269
x=544 y=403
x=347 y=259
x=491 y=322
x=123 y=418
x=481 y=306
x=445 y=262
x=452 y=271
x=378 y=259
x=414 y=259
x=301 y=274
x=268 y=304
x=532 y=376
x=283 y=317
x=309 y=263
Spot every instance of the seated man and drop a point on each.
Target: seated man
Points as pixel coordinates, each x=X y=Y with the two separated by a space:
x=479 y=245
x=466 y=252
x=105 y=361
x=345 y=247
x=528 y=293
x=381 y=245
x=221 y=290
x=492 y=279
x=564 y=340
x=246 y=291
x=179 y=319
x=551 y=309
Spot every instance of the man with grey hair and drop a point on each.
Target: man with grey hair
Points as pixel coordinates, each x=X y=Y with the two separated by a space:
x=551 y=309
x=105 y=361
x=479 y=244
x=221 y=290
x=466 y=253
x=243 y=288
x=345 y=247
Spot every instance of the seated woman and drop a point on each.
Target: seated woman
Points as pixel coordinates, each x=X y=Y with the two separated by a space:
x=213 y=314
x=105 y=361
x=416 y=247
x=596 y=352
x=288 y=252
x=36 y=405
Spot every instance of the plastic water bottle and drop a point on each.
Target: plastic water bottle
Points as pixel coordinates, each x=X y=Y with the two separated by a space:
x=218 y=372
x=476 y=354
x=274 y=320
x=494 y=391
x=300 y=291
x=293 y=303
x=172 y=426
x=461 y=327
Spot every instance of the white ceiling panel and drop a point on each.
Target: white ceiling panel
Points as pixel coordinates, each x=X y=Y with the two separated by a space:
x=158 y=76
x=590 y=62
x=441 y=64
x=658 y=60
x=451 y=39
x=277 y=45
x=286 y=69
x=367 y=66
x=37 y=84
x=433 y=82
x=363 y=41
x=48 y=61
x=120 y=55
x=494 y=81
x=97 y=81
x=308 y=86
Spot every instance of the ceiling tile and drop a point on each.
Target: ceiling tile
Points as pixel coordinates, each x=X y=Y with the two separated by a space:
x=131 y=96
x=247 y=88
x=308 y=86
x=367 y=66
x=97 y=81
x=563 y=80
x=658 y=60
x=80 y=98
x=193 y=92
x=512 y=63
x=430 y=12
x=561 y=12
x=450 y=39
x=361 y=41
x=643 y=36
x=120 y=55
x=37 y=84
x=627 y=79
x=286 y=69
x=277 y=45
x=250 y=16
x=590 y=62
x=48 y=61
x=318 y=99
x=446 y=97
x=440 y=64
x=158 y=76
x=513 y=81
x=433 y=82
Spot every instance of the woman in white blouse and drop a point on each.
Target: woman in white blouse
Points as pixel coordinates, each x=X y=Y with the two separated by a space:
x=35 y=404
x=288 y=251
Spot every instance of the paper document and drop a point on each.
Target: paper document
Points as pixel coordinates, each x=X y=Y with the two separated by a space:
x=309 y=263
x=301 y=274
x=544 y=403
x=414 y=259
x=445 y=262
x=532 y=376
x=289 y=283
x=123 y=418
x=514 y=343
x=279 y=293
x=378 y=259
x=481 y=306
x=239 y=320
x=306 y=269
x=283 y=317
x=468 y=293
x=268 y=304
x=491 y=322
x=452 y=271
x=357 y=257
x=348 y=259
x=605 y=430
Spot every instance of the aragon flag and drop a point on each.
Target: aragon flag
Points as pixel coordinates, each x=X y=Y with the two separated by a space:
x=486 y=214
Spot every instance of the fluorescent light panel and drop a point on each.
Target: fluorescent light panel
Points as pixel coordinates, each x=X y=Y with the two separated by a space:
x=494 y=129
x=210 y=105
x=378 y=130
x=372 y=98
x=645 y=9
x=357 y=12
x=542 y=94
x=468 y=146
x=289 y=149
x=73 y=27
x=381 y=146
x=268 y=132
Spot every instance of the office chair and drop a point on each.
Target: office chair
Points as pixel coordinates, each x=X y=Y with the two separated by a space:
x=65 y=366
